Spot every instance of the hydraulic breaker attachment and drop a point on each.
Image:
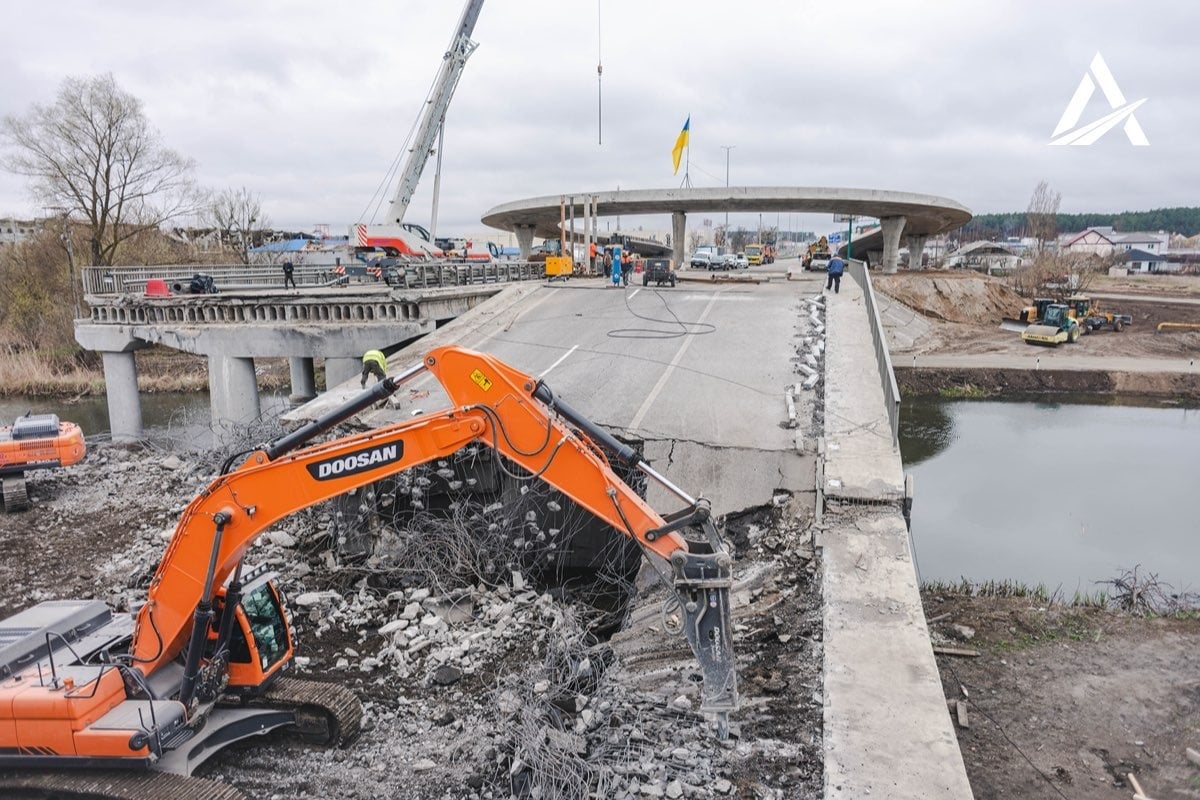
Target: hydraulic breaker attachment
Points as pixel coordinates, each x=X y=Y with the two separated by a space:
x=702 y=582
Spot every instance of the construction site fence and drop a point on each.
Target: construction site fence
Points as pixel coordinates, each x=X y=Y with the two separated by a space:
x=100 y=281
x=887 y=376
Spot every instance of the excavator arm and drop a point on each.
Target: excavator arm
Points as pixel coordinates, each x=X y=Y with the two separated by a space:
x=491 y=403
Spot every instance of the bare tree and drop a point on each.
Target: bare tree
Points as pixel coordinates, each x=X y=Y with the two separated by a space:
x=94 y=153
x=237 y=214
x=1042 y=214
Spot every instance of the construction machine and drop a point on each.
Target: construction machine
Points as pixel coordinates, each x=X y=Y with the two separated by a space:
x=818 y=251
x=96 y=703
x=1055 y=327
x=1092 y=317
x=32 y=442
x=396 y=237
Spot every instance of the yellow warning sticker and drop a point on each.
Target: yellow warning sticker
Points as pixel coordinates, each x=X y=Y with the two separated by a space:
x=484 y=381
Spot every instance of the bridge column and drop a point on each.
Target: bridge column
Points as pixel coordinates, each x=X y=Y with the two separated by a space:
x=340 y=370
x=233 y=391
x=304 y=383
x=124 y=404
x=916 y=249
x=678 y=234
x=524 y=240
x=892 y=228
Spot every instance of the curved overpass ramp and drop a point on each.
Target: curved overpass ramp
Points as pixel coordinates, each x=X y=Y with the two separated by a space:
x=915 y=215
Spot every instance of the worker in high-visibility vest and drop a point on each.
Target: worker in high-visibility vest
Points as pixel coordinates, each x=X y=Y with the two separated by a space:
x=374 y=363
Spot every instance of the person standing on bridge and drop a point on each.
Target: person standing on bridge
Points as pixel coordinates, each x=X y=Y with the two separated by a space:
x=374 y=363
x=836 y=268
x=287 y=275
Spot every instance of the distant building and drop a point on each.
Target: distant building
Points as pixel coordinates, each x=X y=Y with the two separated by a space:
x=1139 y=261
x=15 y=231
x=984 y=256
x=1146 y=242
x=1102 y=240
x=1095 y=241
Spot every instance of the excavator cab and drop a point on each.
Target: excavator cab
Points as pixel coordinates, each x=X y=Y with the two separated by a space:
x=260 y=639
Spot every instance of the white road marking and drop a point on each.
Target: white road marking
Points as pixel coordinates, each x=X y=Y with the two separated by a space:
x=662 y=381
x=635 y=291
x=546 y=371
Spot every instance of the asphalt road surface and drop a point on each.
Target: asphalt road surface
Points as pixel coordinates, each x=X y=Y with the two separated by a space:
x=698 y=372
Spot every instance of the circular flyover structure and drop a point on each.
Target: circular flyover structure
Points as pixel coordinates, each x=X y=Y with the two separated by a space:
x=916 y=216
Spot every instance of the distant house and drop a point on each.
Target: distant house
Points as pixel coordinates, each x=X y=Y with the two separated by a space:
x=984 y=256
x=1095 y=241
x=1146 y=242
x=1139 y=261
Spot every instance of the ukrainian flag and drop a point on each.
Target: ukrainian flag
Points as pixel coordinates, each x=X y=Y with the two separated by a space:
x=680 y=143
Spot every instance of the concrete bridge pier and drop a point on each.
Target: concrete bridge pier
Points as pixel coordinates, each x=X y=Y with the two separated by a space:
x=121 y=388
x=233 y=391
x=304 y=382
x=678 y=235
x=524 y=240
x=340 y=370
x=892 y=228
x=916 y=249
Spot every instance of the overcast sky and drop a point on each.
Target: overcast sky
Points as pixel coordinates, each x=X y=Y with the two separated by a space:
x=307 y=104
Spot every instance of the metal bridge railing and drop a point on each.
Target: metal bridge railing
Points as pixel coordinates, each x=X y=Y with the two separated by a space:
x=102 y=281
x=887 y=376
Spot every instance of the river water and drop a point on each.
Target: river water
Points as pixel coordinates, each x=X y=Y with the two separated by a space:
x=168 y=417
x=1063 y=495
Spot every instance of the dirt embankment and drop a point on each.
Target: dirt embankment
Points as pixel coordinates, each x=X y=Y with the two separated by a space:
x=960 y=313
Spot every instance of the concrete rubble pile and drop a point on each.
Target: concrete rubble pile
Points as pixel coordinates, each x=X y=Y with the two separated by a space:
x=481 y=689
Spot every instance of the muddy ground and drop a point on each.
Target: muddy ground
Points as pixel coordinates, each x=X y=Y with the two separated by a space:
x=1066 y=702
x=961 y=312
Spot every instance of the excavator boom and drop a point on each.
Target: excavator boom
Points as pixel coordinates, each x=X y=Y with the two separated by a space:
x=85 y=687
x=491 y=403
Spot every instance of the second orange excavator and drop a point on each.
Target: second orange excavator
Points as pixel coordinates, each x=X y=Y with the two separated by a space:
x=96 y=703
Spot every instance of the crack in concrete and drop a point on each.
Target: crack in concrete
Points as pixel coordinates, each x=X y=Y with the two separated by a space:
x=719 y=447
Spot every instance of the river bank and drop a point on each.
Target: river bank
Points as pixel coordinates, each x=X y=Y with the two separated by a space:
x=992 y=383
x=30 y=373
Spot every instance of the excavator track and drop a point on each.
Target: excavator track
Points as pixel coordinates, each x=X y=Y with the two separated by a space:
x=326 y=713
x=111 y=785
x=16 y=496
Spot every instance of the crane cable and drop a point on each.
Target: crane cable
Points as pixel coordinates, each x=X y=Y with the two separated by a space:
x=599 y=80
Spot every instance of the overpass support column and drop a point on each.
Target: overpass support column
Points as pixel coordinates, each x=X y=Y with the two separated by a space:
x=678 y=236
x=304 y=383
x=892 y=228
x=340 y=370
x=524 y=240
x=916 y=250
x=124 y=404
x=233 y=391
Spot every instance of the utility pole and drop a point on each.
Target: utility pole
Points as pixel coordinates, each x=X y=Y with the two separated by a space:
x=727 y=148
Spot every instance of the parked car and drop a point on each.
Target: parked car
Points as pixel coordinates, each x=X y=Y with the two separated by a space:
x=728 y=261
x=701 y=261
x=741 y=261
x=658 y=271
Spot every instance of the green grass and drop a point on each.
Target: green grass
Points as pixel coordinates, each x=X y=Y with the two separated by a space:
x=966 y=392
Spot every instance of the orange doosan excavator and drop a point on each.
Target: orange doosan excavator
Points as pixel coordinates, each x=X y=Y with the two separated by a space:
x=35 y=442
x=96 y=703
